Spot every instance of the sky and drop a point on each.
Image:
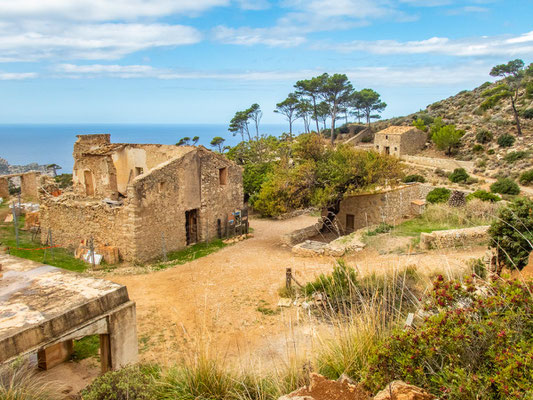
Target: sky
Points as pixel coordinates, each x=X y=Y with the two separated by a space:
x=199 y=61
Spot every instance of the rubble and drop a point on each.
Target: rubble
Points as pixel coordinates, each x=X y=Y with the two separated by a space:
x=399 y=390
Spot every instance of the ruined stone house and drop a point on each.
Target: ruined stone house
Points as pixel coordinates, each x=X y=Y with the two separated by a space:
x=386 y=205
x=29 y=184
x=400 y=140
x=144 y=199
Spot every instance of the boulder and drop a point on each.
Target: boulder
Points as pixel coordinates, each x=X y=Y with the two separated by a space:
x=321 y=388
x=399 y=390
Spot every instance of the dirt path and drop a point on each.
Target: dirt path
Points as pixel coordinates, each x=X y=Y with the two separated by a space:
x=215 y=299
x=227 y=301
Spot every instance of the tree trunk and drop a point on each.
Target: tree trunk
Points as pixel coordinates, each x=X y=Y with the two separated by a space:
x=316 y=116
x=290 y=127
x=516 y=117
x=333 y=117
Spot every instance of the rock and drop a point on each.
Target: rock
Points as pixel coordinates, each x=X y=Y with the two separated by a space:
x=309 y=248
x=399 y=390
x=321 y=388
x=284 y=302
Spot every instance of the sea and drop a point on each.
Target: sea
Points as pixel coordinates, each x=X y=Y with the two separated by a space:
x=52 y=144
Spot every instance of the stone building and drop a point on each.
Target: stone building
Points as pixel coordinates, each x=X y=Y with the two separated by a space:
x=29 y=185
x=391 y=205
x=400 y=140
x=143 y=199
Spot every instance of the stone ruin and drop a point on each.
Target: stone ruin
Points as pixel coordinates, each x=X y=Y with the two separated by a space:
x=142 y=200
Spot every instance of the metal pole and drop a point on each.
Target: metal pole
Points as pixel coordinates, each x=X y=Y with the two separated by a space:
x=15 y=223
x=91 y=249
x=288 y=278
x=51 y=243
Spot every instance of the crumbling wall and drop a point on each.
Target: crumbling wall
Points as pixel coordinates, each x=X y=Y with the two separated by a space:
x=412 y=141
x=300 y=235
x=29 y=185
x=390 y=206
x=453 y=237
x=4 y=188
x=72 y=221
x=95 y=176
x=443 y=163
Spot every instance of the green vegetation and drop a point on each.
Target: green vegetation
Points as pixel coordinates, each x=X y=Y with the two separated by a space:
x=460 y=352
x=319 y=175
x=512 y=234
x=382 y=228
x=438 y=195
x=527 y=177
x=218 y=143
x=513 y=73
x=447 y=138
x=506 y=140
x=505 y=186
x=477 y=148
x=191 y=253
x=483 y=195
x=414 y=178
x=19 y=381
x=515 y=156
x=528 y=114
x=57 y=257
x=64 y=180
x=483 y=136
x=86 y=347
x=459 y=175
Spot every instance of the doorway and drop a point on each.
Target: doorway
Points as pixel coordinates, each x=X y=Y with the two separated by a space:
x=350 y=223
x=191 y=226
x=387 y=150
x=89 y=183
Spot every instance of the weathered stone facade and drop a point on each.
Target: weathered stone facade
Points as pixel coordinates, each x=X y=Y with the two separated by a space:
x=29 y=185
x=143 y=199
x=399 y=140
x=454 y=237
x=4 y=188
x=389 y=205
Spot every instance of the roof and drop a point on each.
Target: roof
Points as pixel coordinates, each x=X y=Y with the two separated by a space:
x=35 y=297
x=396 y=130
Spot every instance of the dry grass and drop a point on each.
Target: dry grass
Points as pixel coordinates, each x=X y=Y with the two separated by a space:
x=21 y=382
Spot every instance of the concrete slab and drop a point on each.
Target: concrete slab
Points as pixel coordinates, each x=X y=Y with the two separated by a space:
x=41 y=305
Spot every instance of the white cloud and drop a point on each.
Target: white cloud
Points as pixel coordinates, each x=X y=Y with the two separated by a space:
x=480 y=46
x=254 y=4
x=88 y=41
x=16 y=76
x=424 y=75
x=273 y=37
x=101 y=10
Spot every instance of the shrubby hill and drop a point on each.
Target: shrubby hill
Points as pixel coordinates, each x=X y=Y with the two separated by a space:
x=483 y=126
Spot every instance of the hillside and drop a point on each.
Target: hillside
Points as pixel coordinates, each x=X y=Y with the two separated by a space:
x=464 y=111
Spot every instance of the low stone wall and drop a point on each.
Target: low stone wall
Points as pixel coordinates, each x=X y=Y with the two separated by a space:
x=300 y=235
x=443 y=163
x=453 y=237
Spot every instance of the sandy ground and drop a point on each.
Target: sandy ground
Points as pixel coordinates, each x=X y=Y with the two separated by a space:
x=217 y=299
x=220 y=303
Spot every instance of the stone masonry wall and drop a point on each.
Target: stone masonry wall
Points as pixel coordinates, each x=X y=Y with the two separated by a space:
x=29 y=185
x=443 y=163
x=412 y=141
x=453 y=237
x=4 y=188
x=72 y=221
x=390 y=206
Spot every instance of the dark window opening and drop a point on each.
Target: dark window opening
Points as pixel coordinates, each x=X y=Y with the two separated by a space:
x=191 y=226
x=350 y=223
x=139 y=171
x=223 y=176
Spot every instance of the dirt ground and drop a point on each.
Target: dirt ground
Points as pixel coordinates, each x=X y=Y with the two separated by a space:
x=228 y=300
x=225 y=304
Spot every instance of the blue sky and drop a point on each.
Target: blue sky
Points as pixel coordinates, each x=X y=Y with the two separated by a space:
x=199 y=61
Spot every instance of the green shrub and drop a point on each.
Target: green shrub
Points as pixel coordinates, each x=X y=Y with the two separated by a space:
x=528 y=114
x=382 y=228
x=438 y=195
x=515 y=156
x=458 y=175
x=491 y=152
x=512 y=234
x=527 y=177
x=414 y=178
x=477 y=148
x=505 y=186
x=483 y=136
x=478 y=267
x=461 y=351
x=130 y=383
x=484 y=196
x=367 y=139
x=506 y=140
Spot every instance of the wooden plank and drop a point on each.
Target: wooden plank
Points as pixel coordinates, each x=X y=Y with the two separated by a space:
x=105 y=353
x=55 y=354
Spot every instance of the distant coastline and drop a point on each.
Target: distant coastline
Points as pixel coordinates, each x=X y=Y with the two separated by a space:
x=52 y=143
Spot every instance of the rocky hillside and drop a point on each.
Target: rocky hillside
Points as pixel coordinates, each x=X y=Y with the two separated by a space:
x=465 y=111
x=5 y=168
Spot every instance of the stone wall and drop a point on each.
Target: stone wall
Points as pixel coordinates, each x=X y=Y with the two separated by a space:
x=29 y=185
x=389 y=206
x=4 y=188
x=443 y=163
x=453 y=237
x=410 y=141
x=152 y=217
x=301 y=235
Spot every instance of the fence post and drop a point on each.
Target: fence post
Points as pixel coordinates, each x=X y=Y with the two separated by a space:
x=16 y=223
x=51 y=243
x=91 y=249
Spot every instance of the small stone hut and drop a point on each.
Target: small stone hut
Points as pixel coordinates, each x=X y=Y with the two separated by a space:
x=144 y=199
x=400 y=140
x=385 y=205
